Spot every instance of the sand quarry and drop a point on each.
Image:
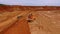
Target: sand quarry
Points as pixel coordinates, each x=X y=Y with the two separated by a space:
x=44 y=21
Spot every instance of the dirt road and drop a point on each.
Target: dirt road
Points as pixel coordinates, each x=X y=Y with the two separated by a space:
x=21 y=26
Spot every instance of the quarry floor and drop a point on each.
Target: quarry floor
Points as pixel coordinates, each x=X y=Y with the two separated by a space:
x=46 y=22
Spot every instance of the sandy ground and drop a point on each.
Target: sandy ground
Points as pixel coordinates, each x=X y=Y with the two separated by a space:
x=17 y=27
x=47 y=22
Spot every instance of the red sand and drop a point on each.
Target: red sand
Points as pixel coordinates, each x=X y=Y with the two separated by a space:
x=21 y=27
